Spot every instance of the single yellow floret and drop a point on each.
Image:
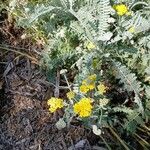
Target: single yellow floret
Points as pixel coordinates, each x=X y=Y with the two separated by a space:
x=92 y=77
x=84 y=89
x=70 y=95
x=89 y=80
x=103 y=102
x=131 y=30
x=84 y=82
x=84 y=107
x=91 y=86
x=54 y=104
x=101 y=88
x=121 y=9
x=90 y=46
x=88 y=84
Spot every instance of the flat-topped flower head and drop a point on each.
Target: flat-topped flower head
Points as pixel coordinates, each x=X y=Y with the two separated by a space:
x=101 y=88
x=55 y=103
x=131 y=29
x=121 y=9
x=103 y=102
x=84 y=89
x=84 y=107
x=70 y=95
x=91 y=86
x=92 y=77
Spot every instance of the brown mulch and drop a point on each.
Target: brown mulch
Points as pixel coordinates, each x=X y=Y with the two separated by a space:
x=25 y=122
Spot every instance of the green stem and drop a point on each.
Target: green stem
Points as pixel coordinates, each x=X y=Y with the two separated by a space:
x=101 y=116
x=67 y=82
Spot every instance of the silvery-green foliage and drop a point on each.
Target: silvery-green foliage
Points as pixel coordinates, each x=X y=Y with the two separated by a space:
x=94 y=18
x=3 y=4
x=133 y=120
x=139 y=22
x=123 y=109
x=60 y=124
x=147 y=90
x=144 y=42
x=130 y=82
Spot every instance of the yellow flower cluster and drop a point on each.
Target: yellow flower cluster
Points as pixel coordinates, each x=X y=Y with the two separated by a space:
x=121 y=9
x=55 y=103
x=70 y=95
x=103 y=102
x=84 y=107
x=101 y=88
x=88 y=84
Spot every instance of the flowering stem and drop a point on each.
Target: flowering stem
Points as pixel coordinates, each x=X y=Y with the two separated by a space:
x=101 y=116
x=56 y=93
x=67 y=82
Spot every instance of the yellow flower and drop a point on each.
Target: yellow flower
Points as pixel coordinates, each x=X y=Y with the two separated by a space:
x=54 y=104
x=101 y=88
x=84 y=89
x=84 y=82
x=83 y=108
x=91 y=86
x=70 y=95
x=92 y=77
x=131 y=30
x=121 y=9
x=88 y=84
x=90 y=46
x=89 y=80
x=103 y=102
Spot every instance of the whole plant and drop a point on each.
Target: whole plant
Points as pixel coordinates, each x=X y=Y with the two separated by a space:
x=105 y=45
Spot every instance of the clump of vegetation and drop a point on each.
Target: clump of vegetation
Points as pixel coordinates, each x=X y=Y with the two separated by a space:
x=105 y=45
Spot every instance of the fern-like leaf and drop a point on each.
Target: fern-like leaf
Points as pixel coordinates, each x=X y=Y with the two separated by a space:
x=133 y=119
x=94 y=17
x=123 y=109
x=130 y=82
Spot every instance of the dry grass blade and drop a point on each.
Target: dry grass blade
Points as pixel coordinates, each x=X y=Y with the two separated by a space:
x=20 y=53
x=144 y=131
x=105 y=142
x=147 y=128
x=142 y=141
x=118 y=138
